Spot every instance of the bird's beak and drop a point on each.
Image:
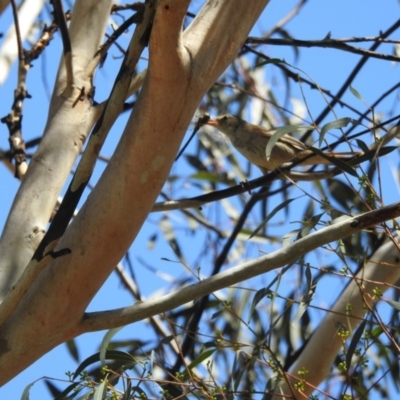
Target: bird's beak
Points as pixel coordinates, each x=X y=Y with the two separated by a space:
x=213 y=122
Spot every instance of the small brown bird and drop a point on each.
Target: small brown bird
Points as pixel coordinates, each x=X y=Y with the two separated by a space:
x=252 y=140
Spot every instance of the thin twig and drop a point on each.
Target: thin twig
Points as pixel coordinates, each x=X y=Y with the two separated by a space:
x=111 y=39
x=62 y=23
x=325 y=43
x=14 y=119
x=17 y=30
x=295 y=77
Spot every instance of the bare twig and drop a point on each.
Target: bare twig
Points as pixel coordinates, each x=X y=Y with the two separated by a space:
x=352 y=76
x=17 y=30
x=62 y=23
x=14 y=119
x=295 y=77
x=102 y=52
x=325 y=43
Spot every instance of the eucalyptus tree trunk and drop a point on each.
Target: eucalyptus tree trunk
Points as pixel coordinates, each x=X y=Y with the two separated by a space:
x=44 y=300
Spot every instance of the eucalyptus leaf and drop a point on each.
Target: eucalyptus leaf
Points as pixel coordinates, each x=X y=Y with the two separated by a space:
x=282 y=131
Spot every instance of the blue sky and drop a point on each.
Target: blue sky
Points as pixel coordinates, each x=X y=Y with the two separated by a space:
x=327 y=67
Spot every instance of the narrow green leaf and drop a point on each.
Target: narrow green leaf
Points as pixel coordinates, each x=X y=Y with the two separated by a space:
x=25 y=393
x=270 y=61
x=127 y=394
x=371 y=154
x=343 y=193
x=308 y=276
x=207 y=176
x=306 y=300
x=337 y=124
x=105 y=342
x=202 y=356
x=110 y=355
x=394 y=304
x=344 y=166
x=72 y=349
x=240 y=372
x=101 y=391
x=195 y=162
x=362 y=145
x=307 y=227
x=64 y=393
x=354 y=342
x=260 y=294
x=152 y=361
x=282 y=131
x=376 y=332
x=356 y=94
x=270 y=215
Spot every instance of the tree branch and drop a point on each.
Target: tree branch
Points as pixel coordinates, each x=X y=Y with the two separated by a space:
x=325 y=43
x=65 y=132
x=247 y=270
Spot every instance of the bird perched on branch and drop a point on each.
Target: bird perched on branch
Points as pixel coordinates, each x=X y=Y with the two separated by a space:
x=252 y=141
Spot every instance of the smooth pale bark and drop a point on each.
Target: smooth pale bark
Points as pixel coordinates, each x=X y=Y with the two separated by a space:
x=67 y=127
x=181 y=70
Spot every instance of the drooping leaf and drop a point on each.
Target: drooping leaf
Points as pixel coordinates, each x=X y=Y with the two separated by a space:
x=354 y=342
x=343 y=194
x=337 y=124
x=101 y=391
x=362 y=145
x=208 y=177
x=104 y=343
x=198 y=360
x=270 y=61
x=25 y=393
x=310 y=290
x=201 y=357
x=72 y=349
x=282 y=131
x=128 y=390
x=71 y=388
x=115 y=355
x=342 y=165
x=371 y=154
x=356 y=94
x=309 y=225
x=196 y=163
x=52 y=388
x=260 y=294
x=394 y=304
